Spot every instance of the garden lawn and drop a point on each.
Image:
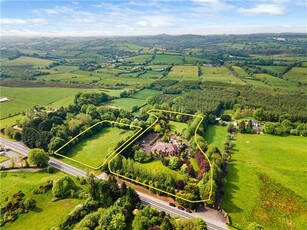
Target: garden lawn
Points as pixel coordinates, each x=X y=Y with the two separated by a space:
x=94 y=150
x=266 y=182
x=3 y=158
x=47 y=213
x=216 y=136
x=177 y=126
x=22 y=99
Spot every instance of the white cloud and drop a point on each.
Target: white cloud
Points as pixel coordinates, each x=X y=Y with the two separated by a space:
x=54 y=10
x=18 y=21
x=156 y=21
x=272 y=9
x=207 y=1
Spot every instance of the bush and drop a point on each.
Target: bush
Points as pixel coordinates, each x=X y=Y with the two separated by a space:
x=62 y=187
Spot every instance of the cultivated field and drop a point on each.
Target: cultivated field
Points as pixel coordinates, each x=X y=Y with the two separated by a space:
x=22 y=61
x=275 y=82
x=94 y=150
x=183 y=73
x=221 y=74
x=140 y=59
x=297 y=74
x=167 y=59
x=266 y=182
x=22 y=99
x=47 y=213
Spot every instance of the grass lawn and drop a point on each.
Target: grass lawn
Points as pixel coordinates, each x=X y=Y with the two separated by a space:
x=183 y=73
x=94 y=150
x=221 y=74
x=194 y=164
x=216 y=136
x=47 y=213
x=177 y=126
x=22 y=99
x=156 y=168
x=297 y=74
x=3 y=158
x=266 y=182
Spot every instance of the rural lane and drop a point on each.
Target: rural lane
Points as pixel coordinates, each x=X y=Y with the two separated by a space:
x=212 y=222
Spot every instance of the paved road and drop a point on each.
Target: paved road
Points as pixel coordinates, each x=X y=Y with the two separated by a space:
x=146 y=199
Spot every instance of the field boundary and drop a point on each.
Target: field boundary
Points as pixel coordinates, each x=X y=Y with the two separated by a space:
x=151 y=112
x=106 y=160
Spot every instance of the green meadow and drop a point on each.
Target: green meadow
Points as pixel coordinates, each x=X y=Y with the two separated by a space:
x=94 y=150
x=297 y=74
x=167 y=59
x=220 y=74
x=47 y=213
x=216 y=136
x=182 y=72
x=266 y=182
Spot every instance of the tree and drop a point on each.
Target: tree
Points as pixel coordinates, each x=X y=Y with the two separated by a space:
x=254 y=226
x=63 y=186
x=226 y=117
x=258 y=114
x=118 y=222
x=230 y=128
x=242 y=128
x=38 y=157
x=174 y=163
x=249 y=126
x=157 y=128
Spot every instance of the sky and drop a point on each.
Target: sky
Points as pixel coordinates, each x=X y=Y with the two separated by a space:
x=151 y=17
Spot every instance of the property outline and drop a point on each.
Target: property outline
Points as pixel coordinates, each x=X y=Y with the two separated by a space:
x=105 y=160
x=150 y=112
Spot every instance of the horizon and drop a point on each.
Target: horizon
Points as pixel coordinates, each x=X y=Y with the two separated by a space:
x=155 y=17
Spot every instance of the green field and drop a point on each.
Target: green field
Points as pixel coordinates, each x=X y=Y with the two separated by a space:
x=275 y=82
x=94 y=150
x=266 y=182
x=145 y=93
x=21 y=61
x=275 y=68
x=220 y=74
x=3 y=158
x=140 y=59
x=10 y=121
x=297 y=74
x=183 y=73
x=22 y=99
x=193 y=60
x=64 y=68
x=241 y=72
x=126 y=103
x=177 y=126
x=216 y=136
x=47 y=213
x=167 y=59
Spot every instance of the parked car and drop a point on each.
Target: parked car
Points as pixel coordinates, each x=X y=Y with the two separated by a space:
x=181 y=208
x=189 y=211
x=172 y=204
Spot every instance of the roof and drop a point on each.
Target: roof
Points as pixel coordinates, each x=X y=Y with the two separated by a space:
x=166 y=147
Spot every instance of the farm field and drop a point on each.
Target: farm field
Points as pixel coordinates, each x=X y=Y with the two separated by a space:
x=216 y=136
x=22 y=61
x=220 y=74
x=140 y=59
x=47 y=213
x=276 y=82
x=183 y=73
x=22 y=99
x=126 y=103
x=167 y=59
x=266 y=183
x=10 y=121
x=297 y=74
x=64 y=68
x=194 y=60
x=145 y=93
x=276 y=69
x=241 y=72
x=94 y=150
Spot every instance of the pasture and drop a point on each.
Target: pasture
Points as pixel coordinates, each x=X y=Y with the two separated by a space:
x=177 y=126
x=266 y=183
x=47 y=213
x=93 y=151
x=241 y=72
x=297 y=74
x=140 y=59
x=126 y=103
x=27 y=61
x=167 y=59
x=183 y=73
x=22 y=99
x=274 y=68
x=10 y=121
x=216 y=136
x=220 y=74
x=145 y=93
x=275 y=82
